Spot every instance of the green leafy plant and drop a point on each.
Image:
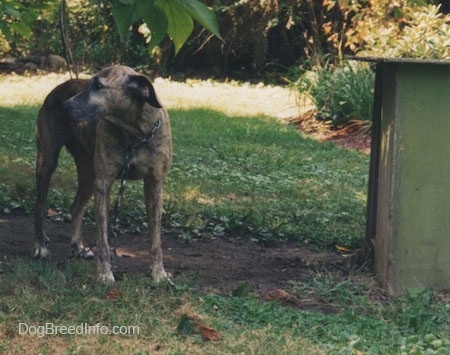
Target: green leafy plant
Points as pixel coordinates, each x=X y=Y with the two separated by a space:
x=174 y=17
x=399 y=29
x=38 y=21
x=340 y=93
x=17 y=16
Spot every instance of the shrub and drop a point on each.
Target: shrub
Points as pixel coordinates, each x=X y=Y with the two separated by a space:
x=4 y=45
x=400 y=29
x=92 y=34
x=341 y=93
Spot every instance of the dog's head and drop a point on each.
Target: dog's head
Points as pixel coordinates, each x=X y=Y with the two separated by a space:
x=114 y=91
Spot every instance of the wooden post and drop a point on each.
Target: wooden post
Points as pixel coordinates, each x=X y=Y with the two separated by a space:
x=408 y=218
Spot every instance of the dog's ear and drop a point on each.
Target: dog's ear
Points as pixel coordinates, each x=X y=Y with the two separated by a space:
x=141 y=88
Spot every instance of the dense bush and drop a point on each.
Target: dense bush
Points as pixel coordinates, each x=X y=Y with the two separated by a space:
x=263 y=36
x=93 y=37
x=403 y=28
x=258 y=35
x=341 y=93
x=4 y=45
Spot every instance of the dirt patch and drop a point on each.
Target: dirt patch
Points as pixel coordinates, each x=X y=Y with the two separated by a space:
x=222 y=264
x=354 y=135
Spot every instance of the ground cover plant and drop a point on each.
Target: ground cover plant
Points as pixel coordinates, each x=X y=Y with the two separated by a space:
x=238 y=173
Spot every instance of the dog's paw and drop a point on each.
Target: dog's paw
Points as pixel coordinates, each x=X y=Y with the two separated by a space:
x=41 y=252
x=159 y=274
x=84 y=252
x=106 y=277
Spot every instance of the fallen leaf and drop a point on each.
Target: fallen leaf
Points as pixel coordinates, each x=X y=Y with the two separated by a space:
x=51 y=213
x=208 y=334
x=113 y=294
x=283 y=297
x=186 y=314
x=277 y=295
x=342 y=249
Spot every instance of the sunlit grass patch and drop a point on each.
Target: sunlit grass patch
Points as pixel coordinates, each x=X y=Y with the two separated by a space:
x=229 y=98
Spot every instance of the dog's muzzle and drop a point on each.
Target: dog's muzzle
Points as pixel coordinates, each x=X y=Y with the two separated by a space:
x=78 y=112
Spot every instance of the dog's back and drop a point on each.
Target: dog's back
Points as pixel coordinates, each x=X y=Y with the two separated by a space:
x=54 y=123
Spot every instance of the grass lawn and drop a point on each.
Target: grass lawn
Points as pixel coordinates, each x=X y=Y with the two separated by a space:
x=238 y=172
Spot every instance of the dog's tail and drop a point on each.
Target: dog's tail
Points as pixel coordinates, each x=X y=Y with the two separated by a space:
x=71 y=65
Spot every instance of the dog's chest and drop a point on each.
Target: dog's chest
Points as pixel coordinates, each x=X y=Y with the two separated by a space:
x=147 y=160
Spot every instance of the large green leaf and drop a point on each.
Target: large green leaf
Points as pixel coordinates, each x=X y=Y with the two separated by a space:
x=123 y=15
x=174 y=17
x=180 y=23
x=202 y=14
x=155 y=19
x=10 y=10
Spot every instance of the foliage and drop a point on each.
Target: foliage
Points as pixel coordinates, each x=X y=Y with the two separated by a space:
x=402 y=28
x=344 y=92
x=93 y=31
x=17 y=20
x=4 y=45
x=92 y=35
x=17 y=17
x=259 y=36
x=174 y=17
x=340 y=93
x=95 y=39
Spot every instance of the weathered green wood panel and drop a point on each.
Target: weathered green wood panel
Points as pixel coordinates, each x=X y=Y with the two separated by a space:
x=412 y=188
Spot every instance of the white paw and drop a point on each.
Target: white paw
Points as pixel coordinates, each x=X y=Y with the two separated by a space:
x=87 y=253
x=106 y=277
x=41 y=252
x=83 y=252
x=159 y=274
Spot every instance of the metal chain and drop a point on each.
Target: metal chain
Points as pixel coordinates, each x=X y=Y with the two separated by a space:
x=114 y=219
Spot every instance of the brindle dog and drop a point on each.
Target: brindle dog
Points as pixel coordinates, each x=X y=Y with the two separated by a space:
x=98 y=120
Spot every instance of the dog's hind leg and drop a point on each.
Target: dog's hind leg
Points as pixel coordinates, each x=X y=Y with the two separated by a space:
x=47 y=160
x=85 y=190
x=52 y=132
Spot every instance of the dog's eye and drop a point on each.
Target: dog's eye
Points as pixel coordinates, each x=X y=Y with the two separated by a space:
x=97 y=85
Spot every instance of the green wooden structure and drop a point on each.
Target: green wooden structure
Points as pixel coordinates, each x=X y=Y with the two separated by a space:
x=409 y=186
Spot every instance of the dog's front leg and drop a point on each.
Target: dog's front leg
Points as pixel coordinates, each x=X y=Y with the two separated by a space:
x=103 y=185
x=153 y=204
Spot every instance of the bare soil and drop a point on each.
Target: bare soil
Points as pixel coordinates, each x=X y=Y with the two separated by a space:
x=222 y=264
x=354 y=135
